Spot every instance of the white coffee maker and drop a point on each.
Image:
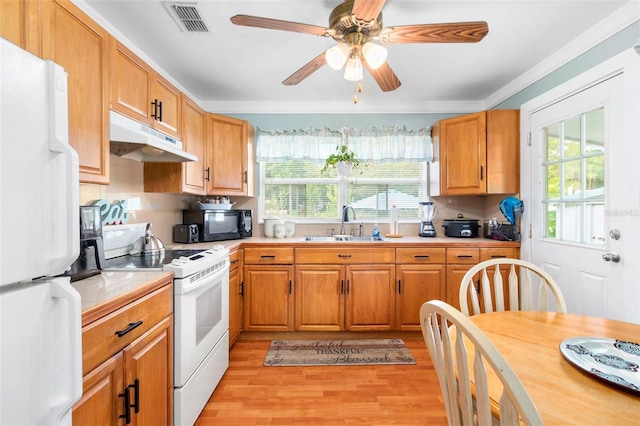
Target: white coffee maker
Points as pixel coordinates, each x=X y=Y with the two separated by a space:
x=427 y=214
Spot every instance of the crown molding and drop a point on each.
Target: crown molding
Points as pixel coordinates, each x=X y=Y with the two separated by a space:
x=345 y=108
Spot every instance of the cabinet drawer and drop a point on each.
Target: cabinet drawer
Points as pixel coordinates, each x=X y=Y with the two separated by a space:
x=268 y=256
x=418 y=255
x=487 y=253
x=346 y=255
x=100 y=339
x=463 y=255
x=234 y=259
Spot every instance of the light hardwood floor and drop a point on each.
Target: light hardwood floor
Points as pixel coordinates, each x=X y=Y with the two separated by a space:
x=252 y=394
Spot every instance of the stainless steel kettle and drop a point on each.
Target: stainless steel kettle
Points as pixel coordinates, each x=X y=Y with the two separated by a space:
x=148 y=244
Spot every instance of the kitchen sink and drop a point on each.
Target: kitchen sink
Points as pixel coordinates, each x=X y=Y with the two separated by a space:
x=338 y=238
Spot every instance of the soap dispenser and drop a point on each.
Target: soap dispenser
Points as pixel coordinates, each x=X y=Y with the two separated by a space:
x=376 y=231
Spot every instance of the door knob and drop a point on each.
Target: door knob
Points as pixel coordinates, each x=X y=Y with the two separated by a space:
x=611 y=257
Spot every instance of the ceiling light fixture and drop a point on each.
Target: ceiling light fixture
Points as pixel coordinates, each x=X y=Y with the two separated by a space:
x=337 y=55
x=374 y=54
x=352 y=52
x=353 y=69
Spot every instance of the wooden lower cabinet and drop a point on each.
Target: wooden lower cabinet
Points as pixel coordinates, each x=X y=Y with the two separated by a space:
x=319 y=297
x=268 y=298
x=268 y=288
x=420 y=274
x=137 y=366
x=459 y=261
x=336 y=297
x=417 y=284
x=100 y=403
x=235 y=295
x=341 y=289
x=370 y=298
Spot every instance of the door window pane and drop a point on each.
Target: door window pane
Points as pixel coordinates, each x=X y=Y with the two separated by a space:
x=574 y=167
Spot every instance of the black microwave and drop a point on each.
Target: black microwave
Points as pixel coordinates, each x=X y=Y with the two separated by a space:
x=218 y=225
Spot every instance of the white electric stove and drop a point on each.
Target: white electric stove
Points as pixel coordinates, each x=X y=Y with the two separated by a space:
x=201 y=313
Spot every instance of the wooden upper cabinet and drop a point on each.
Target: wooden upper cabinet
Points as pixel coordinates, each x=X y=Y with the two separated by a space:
x=228 y=163
x=187 y=177
x=138 y=92
x=503 y=151
x=74 y=41
x=477 y=154
x=193 y=140
x=13 y=21
x=169 y=110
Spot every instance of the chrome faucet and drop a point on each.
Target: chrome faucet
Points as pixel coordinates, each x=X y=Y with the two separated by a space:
x=345 y=217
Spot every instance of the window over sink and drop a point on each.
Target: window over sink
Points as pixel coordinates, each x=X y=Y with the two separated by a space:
x=394 y=172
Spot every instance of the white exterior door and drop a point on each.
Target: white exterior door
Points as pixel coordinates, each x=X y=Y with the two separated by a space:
x=581 y=187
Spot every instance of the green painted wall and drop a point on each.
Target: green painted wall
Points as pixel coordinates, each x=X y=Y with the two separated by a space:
x=607 y=49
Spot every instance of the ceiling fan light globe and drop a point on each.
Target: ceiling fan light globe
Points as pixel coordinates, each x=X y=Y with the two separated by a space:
x=374 y=54
x=353 y=70
x=337 y=55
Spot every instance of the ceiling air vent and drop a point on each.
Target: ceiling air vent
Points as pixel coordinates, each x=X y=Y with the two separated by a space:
x=188 y=17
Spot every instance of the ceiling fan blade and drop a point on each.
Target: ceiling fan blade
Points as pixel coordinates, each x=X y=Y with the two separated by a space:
x=457 y=32
x=309 y=68
x=367 y=11
x=276 y=24
x=384 y=76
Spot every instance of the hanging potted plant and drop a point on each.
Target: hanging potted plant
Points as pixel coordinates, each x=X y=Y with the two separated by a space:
x=344 y=160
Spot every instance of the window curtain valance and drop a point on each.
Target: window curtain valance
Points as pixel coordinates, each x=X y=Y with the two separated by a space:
x=372 y=144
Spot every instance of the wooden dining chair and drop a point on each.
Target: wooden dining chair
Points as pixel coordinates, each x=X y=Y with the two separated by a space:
x=450 y=336
x=515 y=293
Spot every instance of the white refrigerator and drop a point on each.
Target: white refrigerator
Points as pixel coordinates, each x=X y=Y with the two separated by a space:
x=40 y=314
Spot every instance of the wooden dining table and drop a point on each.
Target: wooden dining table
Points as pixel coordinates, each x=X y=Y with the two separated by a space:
x=563 y=393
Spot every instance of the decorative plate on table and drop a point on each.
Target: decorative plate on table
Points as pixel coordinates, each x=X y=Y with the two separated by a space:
x=614 y=361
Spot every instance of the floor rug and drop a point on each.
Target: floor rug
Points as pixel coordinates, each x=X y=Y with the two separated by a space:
x=338 y=352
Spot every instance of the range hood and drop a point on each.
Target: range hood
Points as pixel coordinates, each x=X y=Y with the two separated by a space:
x=135 y=141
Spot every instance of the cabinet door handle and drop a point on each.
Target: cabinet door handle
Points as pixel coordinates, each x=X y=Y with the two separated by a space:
x=498 y=256
x=159 y=111
x=136 y=395
x=421 y=256
x=290 y=288
x=344 y=256
x=399 y=287
x=234 y=261
x=131 y=326
x=246 y=176
x=341 y=286
x=267 y=256
x=207 y=174
x=348 y=285
x=127 y=405
x=242 y=288
x=464 y=256
x=154 y=114
x=481 y=172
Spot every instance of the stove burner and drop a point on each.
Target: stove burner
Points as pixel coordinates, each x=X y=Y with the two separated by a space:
x=152 y=261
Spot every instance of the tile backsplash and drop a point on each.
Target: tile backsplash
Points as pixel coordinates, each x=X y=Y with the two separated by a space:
x=162 y=210
x=165 y=210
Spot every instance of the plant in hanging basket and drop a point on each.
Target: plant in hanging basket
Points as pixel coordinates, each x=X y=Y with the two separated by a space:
x=344 y=160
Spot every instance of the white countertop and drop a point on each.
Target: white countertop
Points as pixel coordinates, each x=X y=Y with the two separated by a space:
x=112 y=284
x=299 y=239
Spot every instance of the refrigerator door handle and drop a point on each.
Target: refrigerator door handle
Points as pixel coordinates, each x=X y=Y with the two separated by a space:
x=67 y=210
x=61 y=288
